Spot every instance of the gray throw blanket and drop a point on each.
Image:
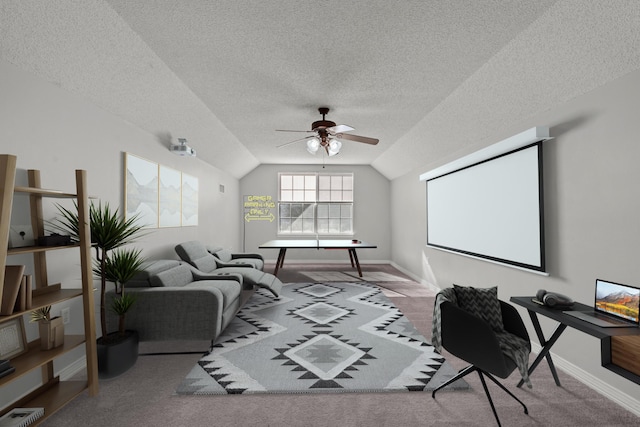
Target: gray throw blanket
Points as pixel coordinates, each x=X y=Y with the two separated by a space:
x=513 y=346
x=449 y=295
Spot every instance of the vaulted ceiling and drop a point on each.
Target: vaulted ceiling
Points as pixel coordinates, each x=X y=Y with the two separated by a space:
x=226 y=74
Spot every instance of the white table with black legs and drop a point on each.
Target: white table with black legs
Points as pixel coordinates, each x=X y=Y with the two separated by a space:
x=349 y=245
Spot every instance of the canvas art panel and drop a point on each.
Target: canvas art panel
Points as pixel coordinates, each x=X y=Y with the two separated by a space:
x=170 y=197
x=189 y=200
x=141 y=184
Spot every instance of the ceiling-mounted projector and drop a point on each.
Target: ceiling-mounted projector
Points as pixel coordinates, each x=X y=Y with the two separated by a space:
x=182 y=149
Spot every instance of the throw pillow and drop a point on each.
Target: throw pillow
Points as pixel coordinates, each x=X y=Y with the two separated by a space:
x=482 y=303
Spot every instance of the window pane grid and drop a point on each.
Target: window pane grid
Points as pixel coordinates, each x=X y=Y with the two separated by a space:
x=299 y=212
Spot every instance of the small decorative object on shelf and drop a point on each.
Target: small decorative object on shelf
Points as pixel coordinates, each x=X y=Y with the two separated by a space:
x=21 y=300
x=54 y=240
x=21 y=236
x=6 y=368
x=21 y=417
x=51 y=329
x=13 y=341
x=12 y=280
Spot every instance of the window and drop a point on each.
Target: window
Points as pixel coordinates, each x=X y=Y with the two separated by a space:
x=314 y=203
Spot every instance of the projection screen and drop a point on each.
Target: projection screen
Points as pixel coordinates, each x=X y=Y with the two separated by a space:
x=492 y=209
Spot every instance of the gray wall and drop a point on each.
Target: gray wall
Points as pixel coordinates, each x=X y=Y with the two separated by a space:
x=591 y=195
x=371 y=212
x=592 y=211
x=56 y=132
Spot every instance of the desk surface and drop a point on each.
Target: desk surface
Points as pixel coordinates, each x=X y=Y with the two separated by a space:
x=581 y=325
x=315 y=244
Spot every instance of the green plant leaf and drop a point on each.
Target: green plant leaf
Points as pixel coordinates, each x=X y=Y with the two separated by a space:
x=41 y=314
x=120 y=305
x=121 y=265
x=109 y=231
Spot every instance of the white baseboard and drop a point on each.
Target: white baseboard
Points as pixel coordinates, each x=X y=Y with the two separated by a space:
x=76 y=367
x=628 y=402
x=415 y=278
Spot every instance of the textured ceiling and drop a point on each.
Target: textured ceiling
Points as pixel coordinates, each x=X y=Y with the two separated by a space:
x=380 y=66
x=226 y=73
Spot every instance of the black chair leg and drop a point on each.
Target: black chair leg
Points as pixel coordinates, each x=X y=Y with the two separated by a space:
x=467 y=371
x=526 y=411
x=462 y=373
x=486 y=391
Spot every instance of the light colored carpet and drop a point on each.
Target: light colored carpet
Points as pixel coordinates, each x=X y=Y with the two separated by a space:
x=352 y=276
x=145 y=395
x=319 y=337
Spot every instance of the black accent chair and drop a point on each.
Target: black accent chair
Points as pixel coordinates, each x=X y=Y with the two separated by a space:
x=474 y=341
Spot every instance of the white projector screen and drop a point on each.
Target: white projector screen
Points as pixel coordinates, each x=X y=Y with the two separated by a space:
x=492 y=209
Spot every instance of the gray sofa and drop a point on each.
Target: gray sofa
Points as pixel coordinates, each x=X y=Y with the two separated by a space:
x=177 y=302
x=196 y=254
x=226 y=258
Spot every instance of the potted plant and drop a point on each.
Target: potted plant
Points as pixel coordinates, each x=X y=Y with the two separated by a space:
x=119 y=268
x=51 y=329
x=117 y=350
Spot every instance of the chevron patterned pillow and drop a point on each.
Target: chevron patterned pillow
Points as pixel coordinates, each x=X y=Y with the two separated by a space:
x=482 y=303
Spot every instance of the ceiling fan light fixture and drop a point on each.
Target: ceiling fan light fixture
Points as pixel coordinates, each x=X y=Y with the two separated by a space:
x=334 y=147
x=327 y=134
x=312 y=145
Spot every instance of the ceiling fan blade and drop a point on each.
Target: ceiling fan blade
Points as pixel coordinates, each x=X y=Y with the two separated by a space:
x=339 y=129
x=287 y=130
x=358 y=138
x=291 y=142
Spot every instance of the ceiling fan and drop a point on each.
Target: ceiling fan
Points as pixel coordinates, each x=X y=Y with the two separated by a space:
x=328 y=135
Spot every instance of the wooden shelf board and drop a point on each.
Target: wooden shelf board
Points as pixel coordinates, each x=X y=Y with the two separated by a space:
x=35 y=357
x=35 y=249
x=51 y=396
x=48 y=298
x=44 y=192
x=56 y=397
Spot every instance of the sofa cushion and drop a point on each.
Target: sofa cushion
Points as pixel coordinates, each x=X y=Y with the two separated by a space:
x=256 y=263
x=177 y=276
x=196 y=254
x=206 y=264
x=230 y=289
x=255 y=277
x=149 y=269
x=223 y=255
x=482 y=303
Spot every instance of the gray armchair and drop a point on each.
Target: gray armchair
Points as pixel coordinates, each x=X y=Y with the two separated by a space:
x=477 y=327
x=196 y=254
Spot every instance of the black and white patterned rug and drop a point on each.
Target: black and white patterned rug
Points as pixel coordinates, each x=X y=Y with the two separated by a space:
x=319 y=337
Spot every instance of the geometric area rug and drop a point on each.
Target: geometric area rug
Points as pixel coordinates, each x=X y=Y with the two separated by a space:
x=319 y=338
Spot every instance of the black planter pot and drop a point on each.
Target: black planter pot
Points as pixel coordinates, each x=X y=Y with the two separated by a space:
x=117 y=354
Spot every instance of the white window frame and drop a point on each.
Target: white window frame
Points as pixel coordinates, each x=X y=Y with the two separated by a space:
x=311 y=204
